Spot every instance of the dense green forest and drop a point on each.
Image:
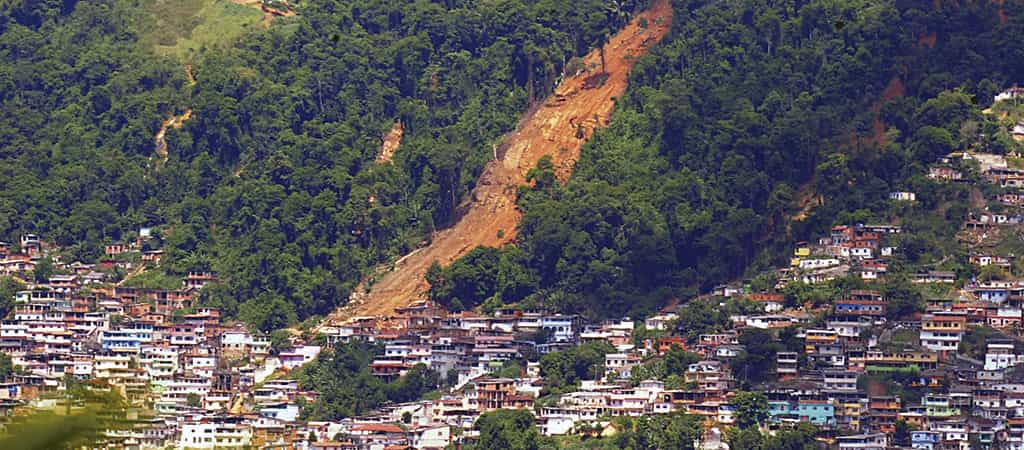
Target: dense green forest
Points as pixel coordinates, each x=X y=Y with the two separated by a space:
x=272 y=181
x=753 y=125
x=745 y=114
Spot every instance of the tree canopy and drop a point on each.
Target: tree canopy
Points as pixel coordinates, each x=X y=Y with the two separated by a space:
x=272 y=179
x=751 y=126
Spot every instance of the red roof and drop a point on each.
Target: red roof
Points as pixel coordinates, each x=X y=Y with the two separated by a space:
x=767 y=297
x=860 y=302
x=379 y=428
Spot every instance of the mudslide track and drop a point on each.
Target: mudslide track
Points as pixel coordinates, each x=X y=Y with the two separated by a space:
x=490 y=217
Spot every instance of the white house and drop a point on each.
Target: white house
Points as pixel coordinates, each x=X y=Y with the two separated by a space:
x=903 y=196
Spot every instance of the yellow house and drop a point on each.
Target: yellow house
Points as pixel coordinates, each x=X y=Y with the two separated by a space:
x=802 y=251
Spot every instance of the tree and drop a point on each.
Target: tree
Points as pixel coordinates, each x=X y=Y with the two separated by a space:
x=757 y=361
x=507 y=429
x=193 y=400
x=902 y=434
x=43 y=270
x=903 y=297
x=6 y=366
x=803 y=437
x=9 y=286
x=751 y=408
x=677 y=360
x=564 y=370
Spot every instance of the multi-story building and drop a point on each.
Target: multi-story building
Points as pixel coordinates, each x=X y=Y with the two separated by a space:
x=941 y=331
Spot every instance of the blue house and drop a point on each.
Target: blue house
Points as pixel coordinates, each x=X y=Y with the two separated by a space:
x=817 y=412
x=779 y=409
x=858 y=307
x=925 y=440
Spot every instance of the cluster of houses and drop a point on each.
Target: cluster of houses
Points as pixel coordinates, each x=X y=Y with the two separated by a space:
x=863 y=249
x=1012 y=95
x=865 y=379
x=207 y=383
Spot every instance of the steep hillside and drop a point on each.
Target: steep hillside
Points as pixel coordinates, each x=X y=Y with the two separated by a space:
x=744 y=112
x=272 y=181
x=557 y=129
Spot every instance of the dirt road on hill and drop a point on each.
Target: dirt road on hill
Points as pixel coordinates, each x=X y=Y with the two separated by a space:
x=490 y=216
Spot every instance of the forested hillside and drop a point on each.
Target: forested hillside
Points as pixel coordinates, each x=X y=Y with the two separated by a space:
x=753 y=124
x=271 y=181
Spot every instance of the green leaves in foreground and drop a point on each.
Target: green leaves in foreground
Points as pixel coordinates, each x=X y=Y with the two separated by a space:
x=96 y=411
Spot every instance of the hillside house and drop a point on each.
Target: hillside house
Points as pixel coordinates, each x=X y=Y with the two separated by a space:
x=983 y=260
x=153 y=256
x=197 y=280
x=115 y=249
x=934 y=276
x=17 y=265
x=660 y=321
x=31 y=244
x=773 y=302
x=856 y=308
x=903 y=196
x=1013 y=93
x=941 y=331
x=943 y=173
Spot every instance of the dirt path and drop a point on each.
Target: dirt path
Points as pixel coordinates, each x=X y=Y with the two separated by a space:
x=550 y=130
x=138 y=270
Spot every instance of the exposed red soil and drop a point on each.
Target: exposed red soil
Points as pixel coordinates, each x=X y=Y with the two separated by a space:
x=490 y=216
x=894 y=89
x=928 y=39
x=390 y=142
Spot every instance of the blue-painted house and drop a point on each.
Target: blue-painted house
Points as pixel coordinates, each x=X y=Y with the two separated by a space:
x=818 y=412
x=925 y=440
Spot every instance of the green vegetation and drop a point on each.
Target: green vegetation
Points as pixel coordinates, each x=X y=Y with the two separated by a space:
x=751 y=408
x=652 y=432
x=671 y=368
x=507 y=429
x=563 y=371
x=658 y=431
x=727 y=131
x=906 y=337
x=756 y=364
x=193 y=400
x=9 y=286
x=730 y=128
x=803 y=437
x=272 y=181
x=154 y=279
x=6 y=366
x=974 y=343
x=186 y=28
x=347 y=387
x=97 y=410
x=706 y=316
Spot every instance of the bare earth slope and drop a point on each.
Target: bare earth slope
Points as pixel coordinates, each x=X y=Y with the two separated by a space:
x=550 y=130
